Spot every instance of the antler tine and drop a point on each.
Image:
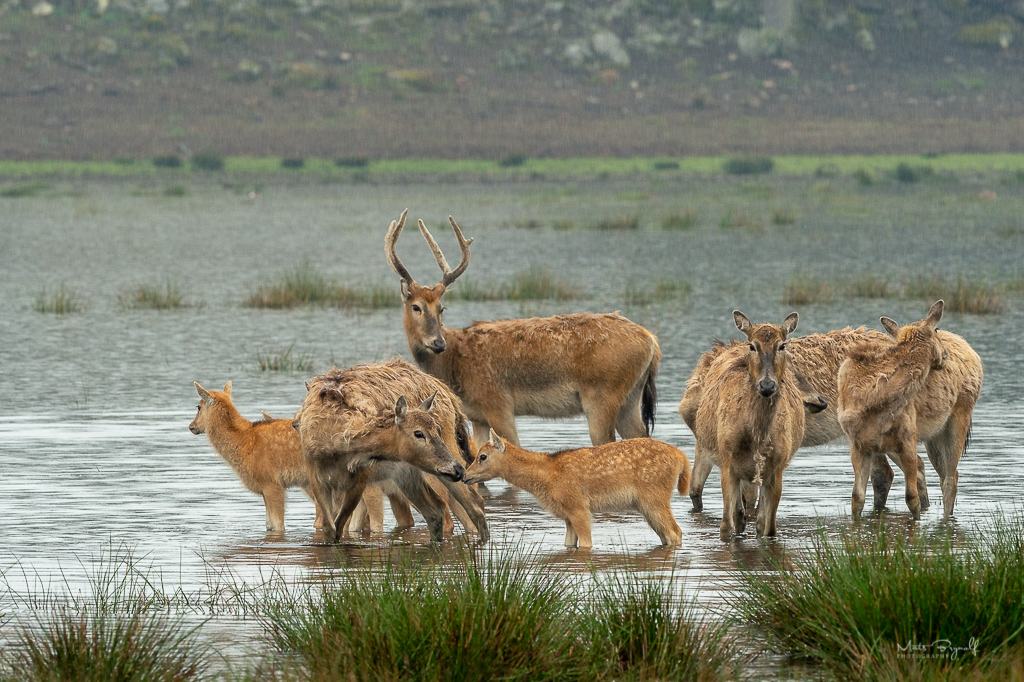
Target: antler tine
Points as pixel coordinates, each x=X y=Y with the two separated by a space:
x=438 y=256
x=389 y=248
x=463 y=248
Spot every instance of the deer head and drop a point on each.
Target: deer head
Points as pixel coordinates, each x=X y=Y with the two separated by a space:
x=485 y=467
x=922 y=332
x=423 y=308
x=207 y=401
x=418 y=440
x=767 y=360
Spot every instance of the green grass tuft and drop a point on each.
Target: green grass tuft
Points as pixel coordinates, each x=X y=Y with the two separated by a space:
x=859 y=600
x=804 y=289
x=307 y=285
x=512 y=161
x=960 y=296
x=783 y=216
x=24 y=189
x=686 y=220
x=863 y=177
x=167 y=161
x=662 y=291
x=624 y=223
x=288 y=361
x=293 y=163
x=748 y=165
x=61 y=302
x=535 y=284
x=352 y=162
x=868 y=286
x=154 y=297
x=207 y=161
x=910 y=174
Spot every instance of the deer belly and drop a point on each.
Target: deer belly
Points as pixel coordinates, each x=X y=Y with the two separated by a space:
x=552 y=402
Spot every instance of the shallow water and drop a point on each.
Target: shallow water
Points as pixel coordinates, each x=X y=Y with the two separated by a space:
x=96 y=452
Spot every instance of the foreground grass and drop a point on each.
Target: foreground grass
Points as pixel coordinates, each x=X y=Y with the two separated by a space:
x=307 y=285
x=876 y=604
x=483 y=619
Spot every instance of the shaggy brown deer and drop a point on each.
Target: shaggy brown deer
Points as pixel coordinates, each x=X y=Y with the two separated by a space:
x=750 y=420
x=815 y=361
x=601 y=366
x=355 y=427
x=637 y=474
x=923 y=387
x=265 y=454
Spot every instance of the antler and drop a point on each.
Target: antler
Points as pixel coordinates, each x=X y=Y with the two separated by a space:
x=449 y=275
x=389 y=248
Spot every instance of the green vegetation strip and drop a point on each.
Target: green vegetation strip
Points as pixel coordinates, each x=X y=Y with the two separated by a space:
x=552 y=169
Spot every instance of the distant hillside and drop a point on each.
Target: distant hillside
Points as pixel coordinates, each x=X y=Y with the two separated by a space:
x=485 y=78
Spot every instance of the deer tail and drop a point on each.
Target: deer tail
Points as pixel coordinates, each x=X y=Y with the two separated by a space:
x=684 y=476
x=649 y=401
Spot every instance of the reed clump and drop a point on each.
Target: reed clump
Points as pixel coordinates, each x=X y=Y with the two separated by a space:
x=961 y=295
x=60 y=302
x=868 y=286
x=307 y=285
x=287 y=361
x=154 y=297
x=876 y=603
x=534 y=284
x=804 y=288
x=661 y=291
x=684 y=220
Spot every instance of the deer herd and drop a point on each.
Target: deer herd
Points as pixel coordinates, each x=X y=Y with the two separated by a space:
x=391 y=429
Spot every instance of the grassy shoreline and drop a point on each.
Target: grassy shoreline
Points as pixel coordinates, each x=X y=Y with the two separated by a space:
x=444 y=170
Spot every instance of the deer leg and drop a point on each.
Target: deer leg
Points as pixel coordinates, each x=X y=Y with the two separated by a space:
x=922 y=484
x=881 y=481
x=703 y=462
x=403 y=513
x=504 y=424
x=862 y=463
x=732 y=505
x=473 y=505
x=906 y=451
x=318 y=522
x=323 y=497
x=749 y=493
x=369 y=514
x=629 y=422
x=570 y=535
x=601 y=412
x=580 y=520
x=658 y=514
x=426 y=501
x=768 y=508
x=945 y=450
x=273 y=500
x=352 y=498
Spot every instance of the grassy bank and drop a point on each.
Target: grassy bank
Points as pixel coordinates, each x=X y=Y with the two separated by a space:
x=868 y=168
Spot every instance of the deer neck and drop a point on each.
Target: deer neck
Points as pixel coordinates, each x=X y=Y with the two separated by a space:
x=230 y=436
x=531 y=471
x=764 y=410
x=439 y=365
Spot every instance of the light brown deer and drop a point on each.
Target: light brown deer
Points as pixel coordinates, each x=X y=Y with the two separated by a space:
x=265 y=454
x=637 y=474
x=815 y=361
x=601 y=366
x=923 y=387
x=751 y=420
x=355 y=427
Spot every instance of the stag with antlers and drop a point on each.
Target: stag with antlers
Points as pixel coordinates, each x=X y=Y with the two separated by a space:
x=599 y=365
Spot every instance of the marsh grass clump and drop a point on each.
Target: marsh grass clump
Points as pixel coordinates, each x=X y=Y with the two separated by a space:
x=207 y=161
x=748 y=165
x=735 y=220
x=352 y=162
x=288 y=361
x=95 y=645
x=535 y=284
x=175 y=191
x=293 y=163
x=910 y=174
x=640 y=630
x=61 y=302
x=307 y=285
x=154 y=297
x=512 y=160
x=783 y=216
x=957 y=593
x=167 y=161
x=863 y=177
x=624 y=223
x=686 y=220
x=868 y=286
x=478 y=619
x=803 y=289
x=961 y=296
x=23 y=189
x=665 y=164
x=663 y=290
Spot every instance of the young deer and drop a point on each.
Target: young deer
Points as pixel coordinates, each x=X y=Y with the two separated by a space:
x=751 y=420
x=351 y=435
x=602 y=366
x=265 y=454
x=923 y=387
x=636 y=474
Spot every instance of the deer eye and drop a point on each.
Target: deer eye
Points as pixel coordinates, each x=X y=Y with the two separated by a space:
x=199 y=408
x=440 y=309
x=416 y=308
x=753 y=348
x=418 y=434
x=482 y=457
x=782 y=346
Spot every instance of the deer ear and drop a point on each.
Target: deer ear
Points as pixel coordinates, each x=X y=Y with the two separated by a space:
x=890 y=326
x=428 y=403
x=227 y=388
x=203 y=393
x=789 y=324
x=497 y=442
x=935 y=313
x=266 y=415
x=307 y=386
x=401 y=409
x=405 y=290
x=742 y=323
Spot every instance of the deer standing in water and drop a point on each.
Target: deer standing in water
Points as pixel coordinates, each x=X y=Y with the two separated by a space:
x=355 y=427
x=923 y=387
x=602 y=366
x=637 y=474
x=751 y=420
